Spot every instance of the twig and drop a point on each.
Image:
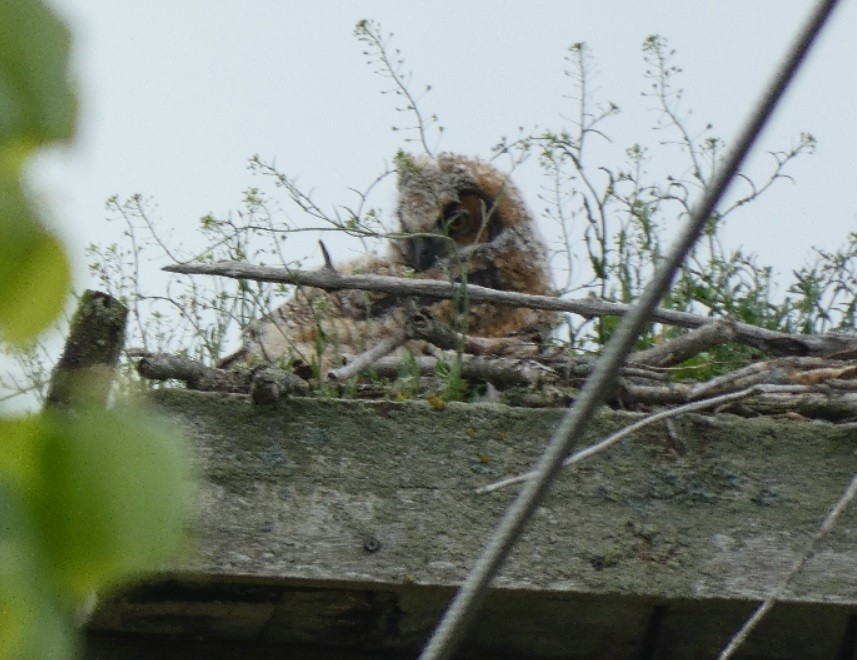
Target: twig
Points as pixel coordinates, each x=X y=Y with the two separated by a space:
x=390 y=367
x=631 y=394
x=753 y=374
x=327 y=261
x=799 y=370
x=501 y=372
x=509 y=371
x=830 y=405
x=769 y=341
x=846 y=385
x=272 y=382
x=628 y=430
x=421 y=325
x=194 y=374
x=830 y=520
x=365 y=360
x=823 y=374
x=683 y=347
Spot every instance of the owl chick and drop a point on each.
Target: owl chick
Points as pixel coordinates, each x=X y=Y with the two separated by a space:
x=460 y=219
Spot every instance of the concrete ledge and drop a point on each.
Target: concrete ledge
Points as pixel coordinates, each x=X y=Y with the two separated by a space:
x=364 y=513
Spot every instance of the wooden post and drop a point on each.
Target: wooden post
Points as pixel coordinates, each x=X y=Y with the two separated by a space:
x=84 y=372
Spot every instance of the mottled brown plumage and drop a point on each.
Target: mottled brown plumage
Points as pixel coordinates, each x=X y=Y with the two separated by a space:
x=459 y=218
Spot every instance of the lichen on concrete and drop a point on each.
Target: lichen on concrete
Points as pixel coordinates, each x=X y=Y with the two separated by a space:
x=718 y=507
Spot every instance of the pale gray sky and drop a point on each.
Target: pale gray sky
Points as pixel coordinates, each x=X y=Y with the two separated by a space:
x=177 y=95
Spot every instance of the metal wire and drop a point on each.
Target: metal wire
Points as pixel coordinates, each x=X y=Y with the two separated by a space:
x=462 y=610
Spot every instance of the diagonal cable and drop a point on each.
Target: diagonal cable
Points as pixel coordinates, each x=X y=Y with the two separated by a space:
x=463 y=608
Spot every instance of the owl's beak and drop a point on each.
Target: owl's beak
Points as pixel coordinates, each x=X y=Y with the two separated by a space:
x=423 y=252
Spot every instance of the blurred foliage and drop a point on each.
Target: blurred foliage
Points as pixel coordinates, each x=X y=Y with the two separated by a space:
x=88 y=498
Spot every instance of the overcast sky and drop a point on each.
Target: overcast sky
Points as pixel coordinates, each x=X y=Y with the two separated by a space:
x=177 y=95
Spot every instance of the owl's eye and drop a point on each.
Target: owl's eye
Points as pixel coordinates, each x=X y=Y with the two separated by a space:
x=456 y=220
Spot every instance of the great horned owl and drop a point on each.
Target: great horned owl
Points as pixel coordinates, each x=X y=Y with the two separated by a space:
x=460 y=218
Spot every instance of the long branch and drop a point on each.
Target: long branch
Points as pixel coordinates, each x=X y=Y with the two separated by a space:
x=769 y=341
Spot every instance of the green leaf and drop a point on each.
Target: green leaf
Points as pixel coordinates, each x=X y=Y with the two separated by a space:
x=37 y=104
x=32 y=623
x=21 y=451
x=34 y=270
x=116 y=496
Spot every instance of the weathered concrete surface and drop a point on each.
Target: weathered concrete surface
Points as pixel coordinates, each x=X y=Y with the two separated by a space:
x=370 y=507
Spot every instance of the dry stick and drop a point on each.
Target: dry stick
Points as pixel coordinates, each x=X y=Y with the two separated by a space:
x=630 y=394
x=367 y=358
x=269 y=385
x=831 y=405
x=781 y=370
x=628 y=430
x=828 y=400
x=197 y=376
x=845 y=385
x=752 y=374
x=418 y=326
x=831 y=519
x=422 y=325
x=463 y=608
x=686 y=346
x=501 y=372
x=769 y=341
x=327 y=262
x=194 y=374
